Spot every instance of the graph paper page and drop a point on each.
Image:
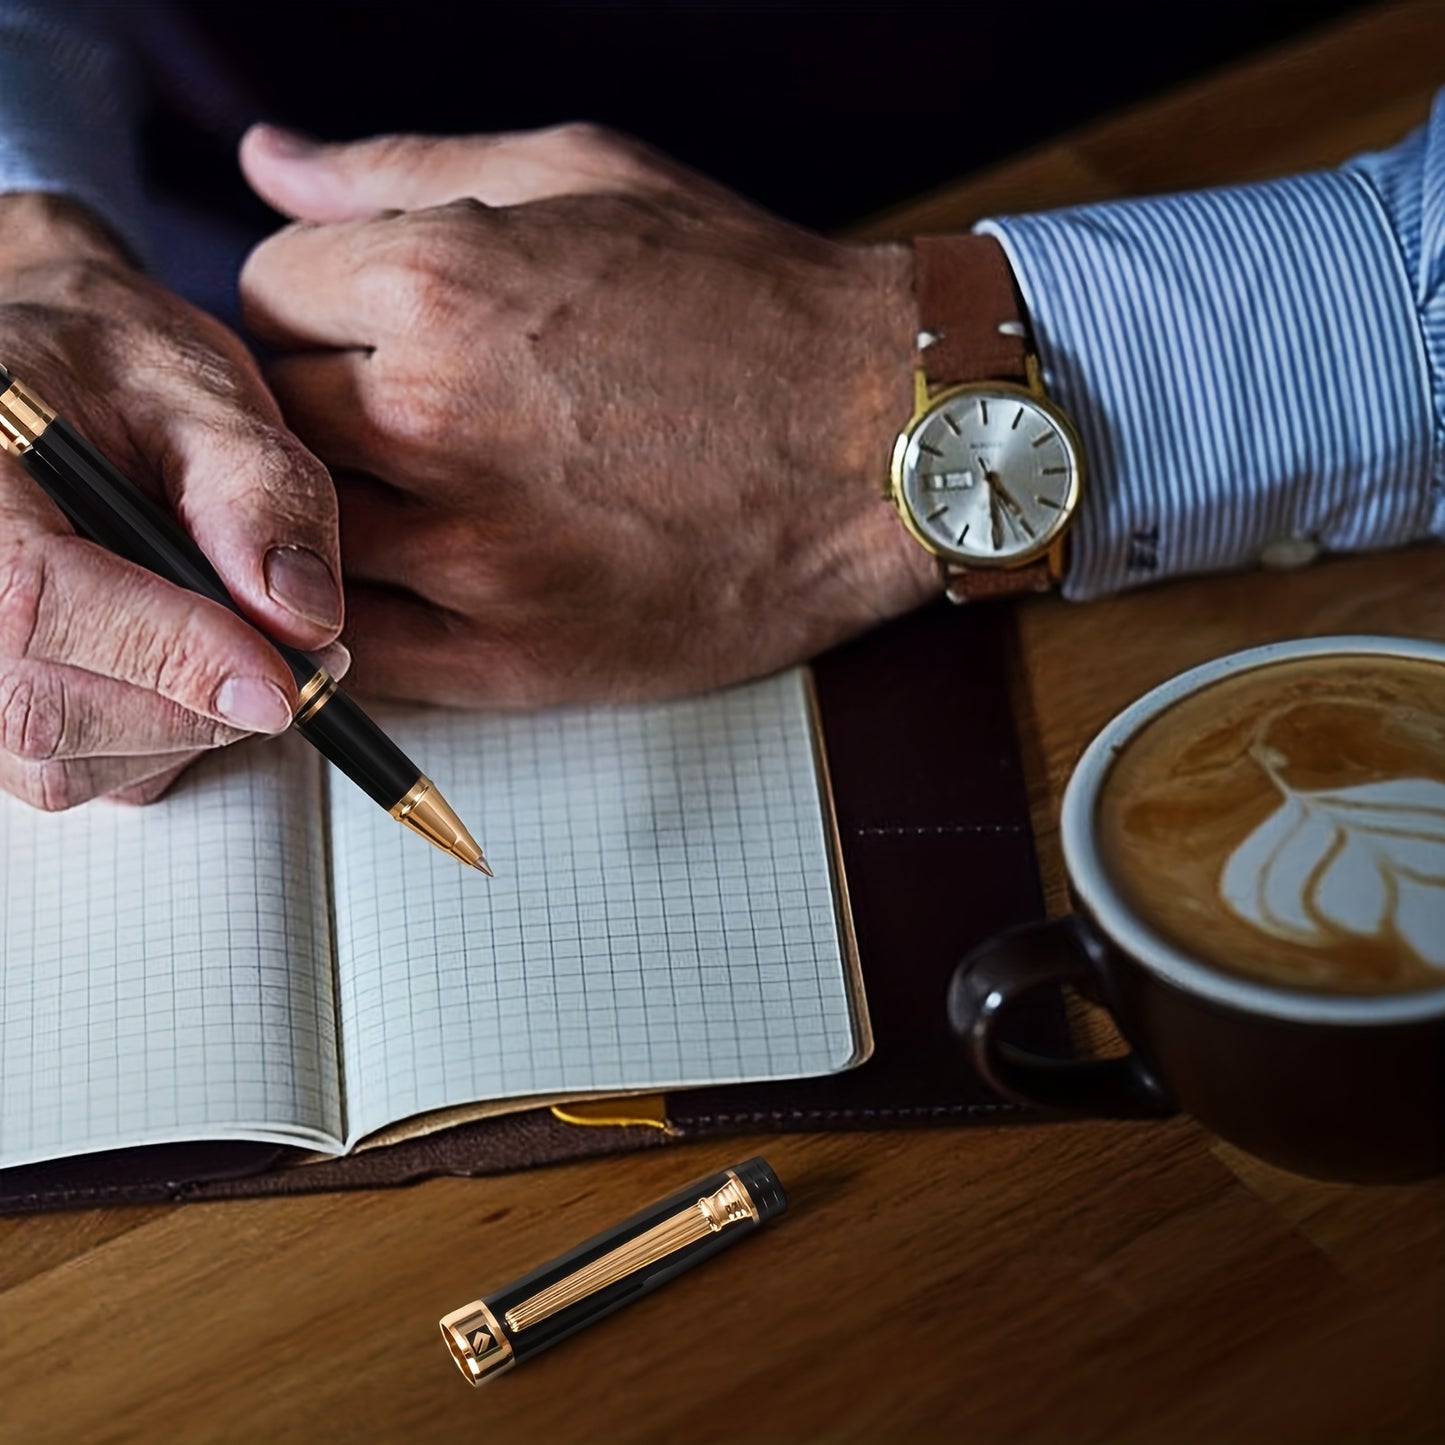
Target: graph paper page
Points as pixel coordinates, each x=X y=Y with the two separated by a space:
x=165 y=972
x=663 y=911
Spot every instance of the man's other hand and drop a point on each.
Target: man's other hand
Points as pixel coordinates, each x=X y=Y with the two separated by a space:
x=112 y=680
x=601 y=429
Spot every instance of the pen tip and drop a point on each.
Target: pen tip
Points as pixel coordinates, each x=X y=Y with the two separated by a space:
x=481 y=866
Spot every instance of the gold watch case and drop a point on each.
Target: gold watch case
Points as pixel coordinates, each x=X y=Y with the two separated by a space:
x=962 y=424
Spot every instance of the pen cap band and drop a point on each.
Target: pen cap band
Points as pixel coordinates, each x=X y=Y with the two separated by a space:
x=757 y=1176
x=477 y=1342
x=23 y=418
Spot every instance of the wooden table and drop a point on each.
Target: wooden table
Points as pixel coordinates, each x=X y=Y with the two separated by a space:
x=1135 y=1282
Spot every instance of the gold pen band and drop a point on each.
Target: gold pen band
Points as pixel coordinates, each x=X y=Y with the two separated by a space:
x=413 y=799
x=318 y=691
x=477 y=1342
x=23 y=419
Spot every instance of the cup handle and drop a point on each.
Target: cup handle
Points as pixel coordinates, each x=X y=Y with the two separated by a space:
x=998 y=975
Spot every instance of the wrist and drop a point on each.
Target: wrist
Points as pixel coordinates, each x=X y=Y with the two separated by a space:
x=37 y=228
x=887 y=570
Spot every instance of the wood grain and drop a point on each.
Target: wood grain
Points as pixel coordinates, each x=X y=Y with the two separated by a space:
x=1137 y=1282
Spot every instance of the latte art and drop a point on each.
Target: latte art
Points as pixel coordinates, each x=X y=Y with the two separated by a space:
x=1288 y=823
x=1363 y=862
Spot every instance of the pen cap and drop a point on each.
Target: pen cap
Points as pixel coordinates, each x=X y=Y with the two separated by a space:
x=763 y=1185
x=612 y=1269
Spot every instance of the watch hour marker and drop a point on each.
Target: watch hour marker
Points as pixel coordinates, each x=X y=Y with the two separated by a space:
x=1044 y=436
x=958 y=540
x=1048 y=502
x=1054 y=471
x=983 y=411
x=932 y=451
x=949 y=422
x=938 y=511
x=1018 y=417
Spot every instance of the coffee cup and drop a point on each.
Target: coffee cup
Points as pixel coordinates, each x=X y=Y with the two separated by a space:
x=1256 y=855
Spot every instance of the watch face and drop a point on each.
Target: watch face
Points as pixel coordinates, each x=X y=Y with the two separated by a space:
x=988 y=476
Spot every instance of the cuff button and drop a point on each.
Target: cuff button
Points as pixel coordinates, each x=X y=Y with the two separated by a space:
x=1285 y=553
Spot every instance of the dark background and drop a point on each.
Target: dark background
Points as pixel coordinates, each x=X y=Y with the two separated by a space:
x=823 y=112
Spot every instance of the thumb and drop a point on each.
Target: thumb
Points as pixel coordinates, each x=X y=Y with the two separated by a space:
x=311 y=181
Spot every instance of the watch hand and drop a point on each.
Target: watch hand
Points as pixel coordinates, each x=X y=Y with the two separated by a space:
x=999 y=490
x=996 y=517
x=998 y=493
x=1016 y=512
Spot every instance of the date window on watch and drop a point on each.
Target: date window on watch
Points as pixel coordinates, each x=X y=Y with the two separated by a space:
x=947 y=481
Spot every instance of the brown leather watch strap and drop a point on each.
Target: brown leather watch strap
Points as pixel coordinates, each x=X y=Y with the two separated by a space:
x=978 y=584
x=968 y=304
x=972 y=329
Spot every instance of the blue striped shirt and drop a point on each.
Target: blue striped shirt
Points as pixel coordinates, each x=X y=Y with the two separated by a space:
x=1257 y=372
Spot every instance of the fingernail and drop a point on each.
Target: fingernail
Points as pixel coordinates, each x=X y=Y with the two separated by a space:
x=289 y=143
x=253 y=705
x=336 y=659
x=301 y=582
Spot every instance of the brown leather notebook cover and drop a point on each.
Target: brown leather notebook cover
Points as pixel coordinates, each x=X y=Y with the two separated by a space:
x=933 y=822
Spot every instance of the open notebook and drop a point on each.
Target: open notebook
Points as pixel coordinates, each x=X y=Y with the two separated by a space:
x=266 y=955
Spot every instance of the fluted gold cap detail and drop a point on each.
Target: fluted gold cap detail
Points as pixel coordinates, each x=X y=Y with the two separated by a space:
x=732 y=1204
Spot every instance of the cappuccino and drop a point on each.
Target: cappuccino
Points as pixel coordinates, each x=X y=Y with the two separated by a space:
x=1287 y=823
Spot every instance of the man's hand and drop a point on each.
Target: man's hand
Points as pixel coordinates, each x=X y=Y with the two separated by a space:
x=601 y=429
x=111 y=680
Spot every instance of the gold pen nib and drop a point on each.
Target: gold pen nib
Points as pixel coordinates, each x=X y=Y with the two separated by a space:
x=425 y=811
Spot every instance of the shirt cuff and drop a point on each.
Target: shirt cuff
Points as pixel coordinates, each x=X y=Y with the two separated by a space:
x=1407 y=182
x=1245 y=369
x=67 y=119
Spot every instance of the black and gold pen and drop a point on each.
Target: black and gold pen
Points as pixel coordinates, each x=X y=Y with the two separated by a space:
x=612 y=1269
x=106 y=507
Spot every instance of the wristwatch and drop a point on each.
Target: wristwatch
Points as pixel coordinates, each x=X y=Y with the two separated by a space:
x=988 y=471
